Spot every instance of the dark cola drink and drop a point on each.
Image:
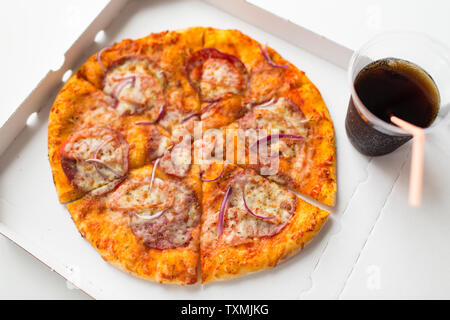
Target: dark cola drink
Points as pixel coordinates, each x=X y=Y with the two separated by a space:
x=390 y=87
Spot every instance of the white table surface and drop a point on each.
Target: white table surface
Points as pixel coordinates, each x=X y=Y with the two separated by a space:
x=406 y=254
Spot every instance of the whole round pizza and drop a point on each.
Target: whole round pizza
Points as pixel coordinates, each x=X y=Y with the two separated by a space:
x=182 y=152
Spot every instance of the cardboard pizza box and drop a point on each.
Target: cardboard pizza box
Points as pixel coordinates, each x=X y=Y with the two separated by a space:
x=324 y=268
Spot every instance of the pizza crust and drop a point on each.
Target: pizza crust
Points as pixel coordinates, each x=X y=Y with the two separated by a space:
x=76 y=95
x=322 y=184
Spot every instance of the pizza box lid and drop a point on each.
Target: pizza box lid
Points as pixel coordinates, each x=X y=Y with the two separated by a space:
x=352 y=23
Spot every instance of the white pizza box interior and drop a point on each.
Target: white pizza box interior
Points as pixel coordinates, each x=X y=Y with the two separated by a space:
x=339 y=262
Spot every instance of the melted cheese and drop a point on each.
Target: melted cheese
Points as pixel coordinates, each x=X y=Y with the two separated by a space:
x=178 y=161
x=138 y=195
x=170 y=229
x=264 y=198
x=181 y=155
x=102 y=116
x=144 y=92
x=164 y=143
x=220 y=77
x=87 y=177
x=278 y=119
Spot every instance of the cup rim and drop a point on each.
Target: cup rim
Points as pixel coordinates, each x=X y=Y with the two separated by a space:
x=359 y=105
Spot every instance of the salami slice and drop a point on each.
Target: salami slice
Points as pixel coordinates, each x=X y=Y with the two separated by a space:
x=163 y=216
x=94 y=157
x=214 y=74
x=138 y=85
x=263 y=198
x=265 y=84
x=136 y=196
x=280 y=117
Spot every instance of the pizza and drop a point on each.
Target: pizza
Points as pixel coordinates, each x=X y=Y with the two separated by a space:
x=181 y=156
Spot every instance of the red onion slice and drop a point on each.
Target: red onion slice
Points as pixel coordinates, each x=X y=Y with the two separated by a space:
x=215 y=179
x=209 y=106
x=103 y=163
x=250 y=211
x=280 y=136
x=107 y=187
x=99 y=57
x=122 y=84
x=145 y=123
x=223 y=207
x=265 y=104
x=100 y=146
x=159 y=213
x=94 y=156
x=153 y=216
x=190 y=117
x=124 y=143
x=153 y=175
x=269 y=60
x=150 y=123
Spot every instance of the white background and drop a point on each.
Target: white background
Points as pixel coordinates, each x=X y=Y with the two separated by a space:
x=34 y=36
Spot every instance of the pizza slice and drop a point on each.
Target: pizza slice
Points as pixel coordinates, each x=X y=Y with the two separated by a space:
x=148 y=226
x=289 y=140
x=250 y=223
x=233 y=64
x=90 y=145
x=147 y=76
x=220 y=79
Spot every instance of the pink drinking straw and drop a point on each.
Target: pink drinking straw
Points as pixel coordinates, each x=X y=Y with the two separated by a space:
x=416 y=173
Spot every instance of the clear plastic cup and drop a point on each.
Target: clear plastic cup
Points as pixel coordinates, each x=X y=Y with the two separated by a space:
x=369 y=134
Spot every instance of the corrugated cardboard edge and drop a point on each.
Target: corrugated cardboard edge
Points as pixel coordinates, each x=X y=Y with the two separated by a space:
x=48 y=259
